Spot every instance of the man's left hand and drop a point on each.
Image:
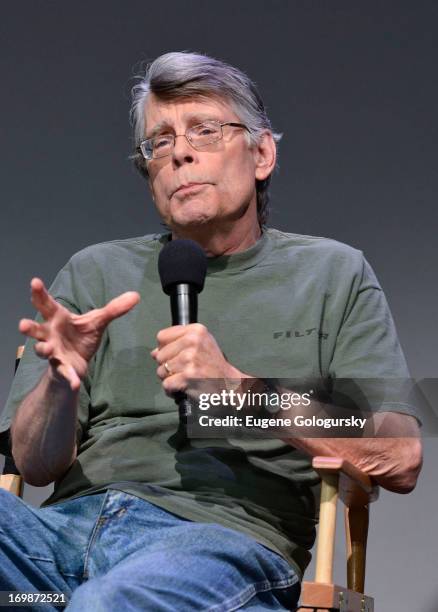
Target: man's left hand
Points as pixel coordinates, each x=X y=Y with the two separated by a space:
x=189 y=352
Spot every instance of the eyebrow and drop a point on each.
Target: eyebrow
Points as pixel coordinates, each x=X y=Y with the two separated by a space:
x=188 y=117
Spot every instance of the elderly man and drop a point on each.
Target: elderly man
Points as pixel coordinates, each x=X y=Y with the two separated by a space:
x=135 y=521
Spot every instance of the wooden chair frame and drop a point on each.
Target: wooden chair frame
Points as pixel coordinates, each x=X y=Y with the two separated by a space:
x=10 y=479
x=340 y=479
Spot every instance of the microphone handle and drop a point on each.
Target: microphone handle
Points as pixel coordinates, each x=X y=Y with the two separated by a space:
x=184 y=308
x=184 y=304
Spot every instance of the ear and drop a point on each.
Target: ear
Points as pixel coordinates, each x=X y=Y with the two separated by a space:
x=151 y=189
x=265 y=156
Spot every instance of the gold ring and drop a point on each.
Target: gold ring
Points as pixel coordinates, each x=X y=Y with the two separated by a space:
x=166 y=365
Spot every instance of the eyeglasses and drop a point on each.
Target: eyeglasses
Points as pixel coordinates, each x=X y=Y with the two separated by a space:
x=197 y=136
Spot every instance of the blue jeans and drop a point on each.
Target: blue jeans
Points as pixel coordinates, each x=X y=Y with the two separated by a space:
x=115 y=551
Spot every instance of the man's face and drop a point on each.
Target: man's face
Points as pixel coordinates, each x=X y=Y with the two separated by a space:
x=222 y=175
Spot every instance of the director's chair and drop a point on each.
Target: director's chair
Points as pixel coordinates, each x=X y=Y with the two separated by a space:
x=339 y=478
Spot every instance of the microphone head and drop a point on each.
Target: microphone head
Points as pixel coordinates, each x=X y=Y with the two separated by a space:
x=182 y=261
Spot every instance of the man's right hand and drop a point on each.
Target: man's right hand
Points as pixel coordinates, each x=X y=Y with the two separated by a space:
x=68 y=341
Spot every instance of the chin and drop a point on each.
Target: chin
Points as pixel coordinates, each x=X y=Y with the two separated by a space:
x=191 y=214
x=190 y=222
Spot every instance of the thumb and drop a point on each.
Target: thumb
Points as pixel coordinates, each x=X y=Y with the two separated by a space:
x=118 y=306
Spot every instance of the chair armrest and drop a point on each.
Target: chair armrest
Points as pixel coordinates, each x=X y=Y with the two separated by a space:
x=355 y=488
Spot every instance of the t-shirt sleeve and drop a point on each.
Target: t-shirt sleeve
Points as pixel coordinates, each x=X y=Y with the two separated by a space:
x=368 y=369
x=67 y=290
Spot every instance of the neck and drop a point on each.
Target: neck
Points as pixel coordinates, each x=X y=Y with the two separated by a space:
x=221 y=241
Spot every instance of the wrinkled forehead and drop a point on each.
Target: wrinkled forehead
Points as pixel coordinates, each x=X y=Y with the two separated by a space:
x=183 y=112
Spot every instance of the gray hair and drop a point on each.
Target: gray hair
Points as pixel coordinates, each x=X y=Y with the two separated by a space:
x=182 y=74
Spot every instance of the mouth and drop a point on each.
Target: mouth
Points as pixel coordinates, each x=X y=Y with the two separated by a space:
x=189 y=188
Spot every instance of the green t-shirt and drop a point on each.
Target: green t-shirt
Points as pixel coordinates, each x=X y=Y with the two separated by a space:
x=291 y=306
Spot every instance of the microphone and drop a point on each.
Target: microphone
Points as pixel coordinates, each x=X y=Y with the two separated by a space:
x=182 y=266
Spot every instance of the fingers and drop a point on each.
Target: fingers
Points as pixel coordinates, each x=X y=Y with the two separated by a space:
x=32 y=329
x=41 y=299
x=165 y=370
x=117 y=307
x=170 y=334
x=174 y=383
x=174 y=340
x=69 y=373
x=62 y=372
x=168 y=352
x=65 y=373
x=43 y=349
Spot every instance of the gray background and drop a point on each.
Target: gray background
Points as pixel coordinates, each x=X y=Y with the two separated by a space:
x=353 y=87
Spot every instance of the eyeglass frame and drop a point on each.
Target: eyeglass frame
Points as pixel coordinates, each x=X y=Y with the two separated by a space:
x=174 y=136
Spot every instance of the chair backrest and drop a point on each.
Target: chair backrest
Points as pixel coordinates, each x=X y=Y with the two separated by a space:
x=10 y=479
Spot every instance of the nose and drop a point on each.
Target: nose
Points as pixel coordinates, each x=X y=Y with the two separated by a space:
x=182 y=152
